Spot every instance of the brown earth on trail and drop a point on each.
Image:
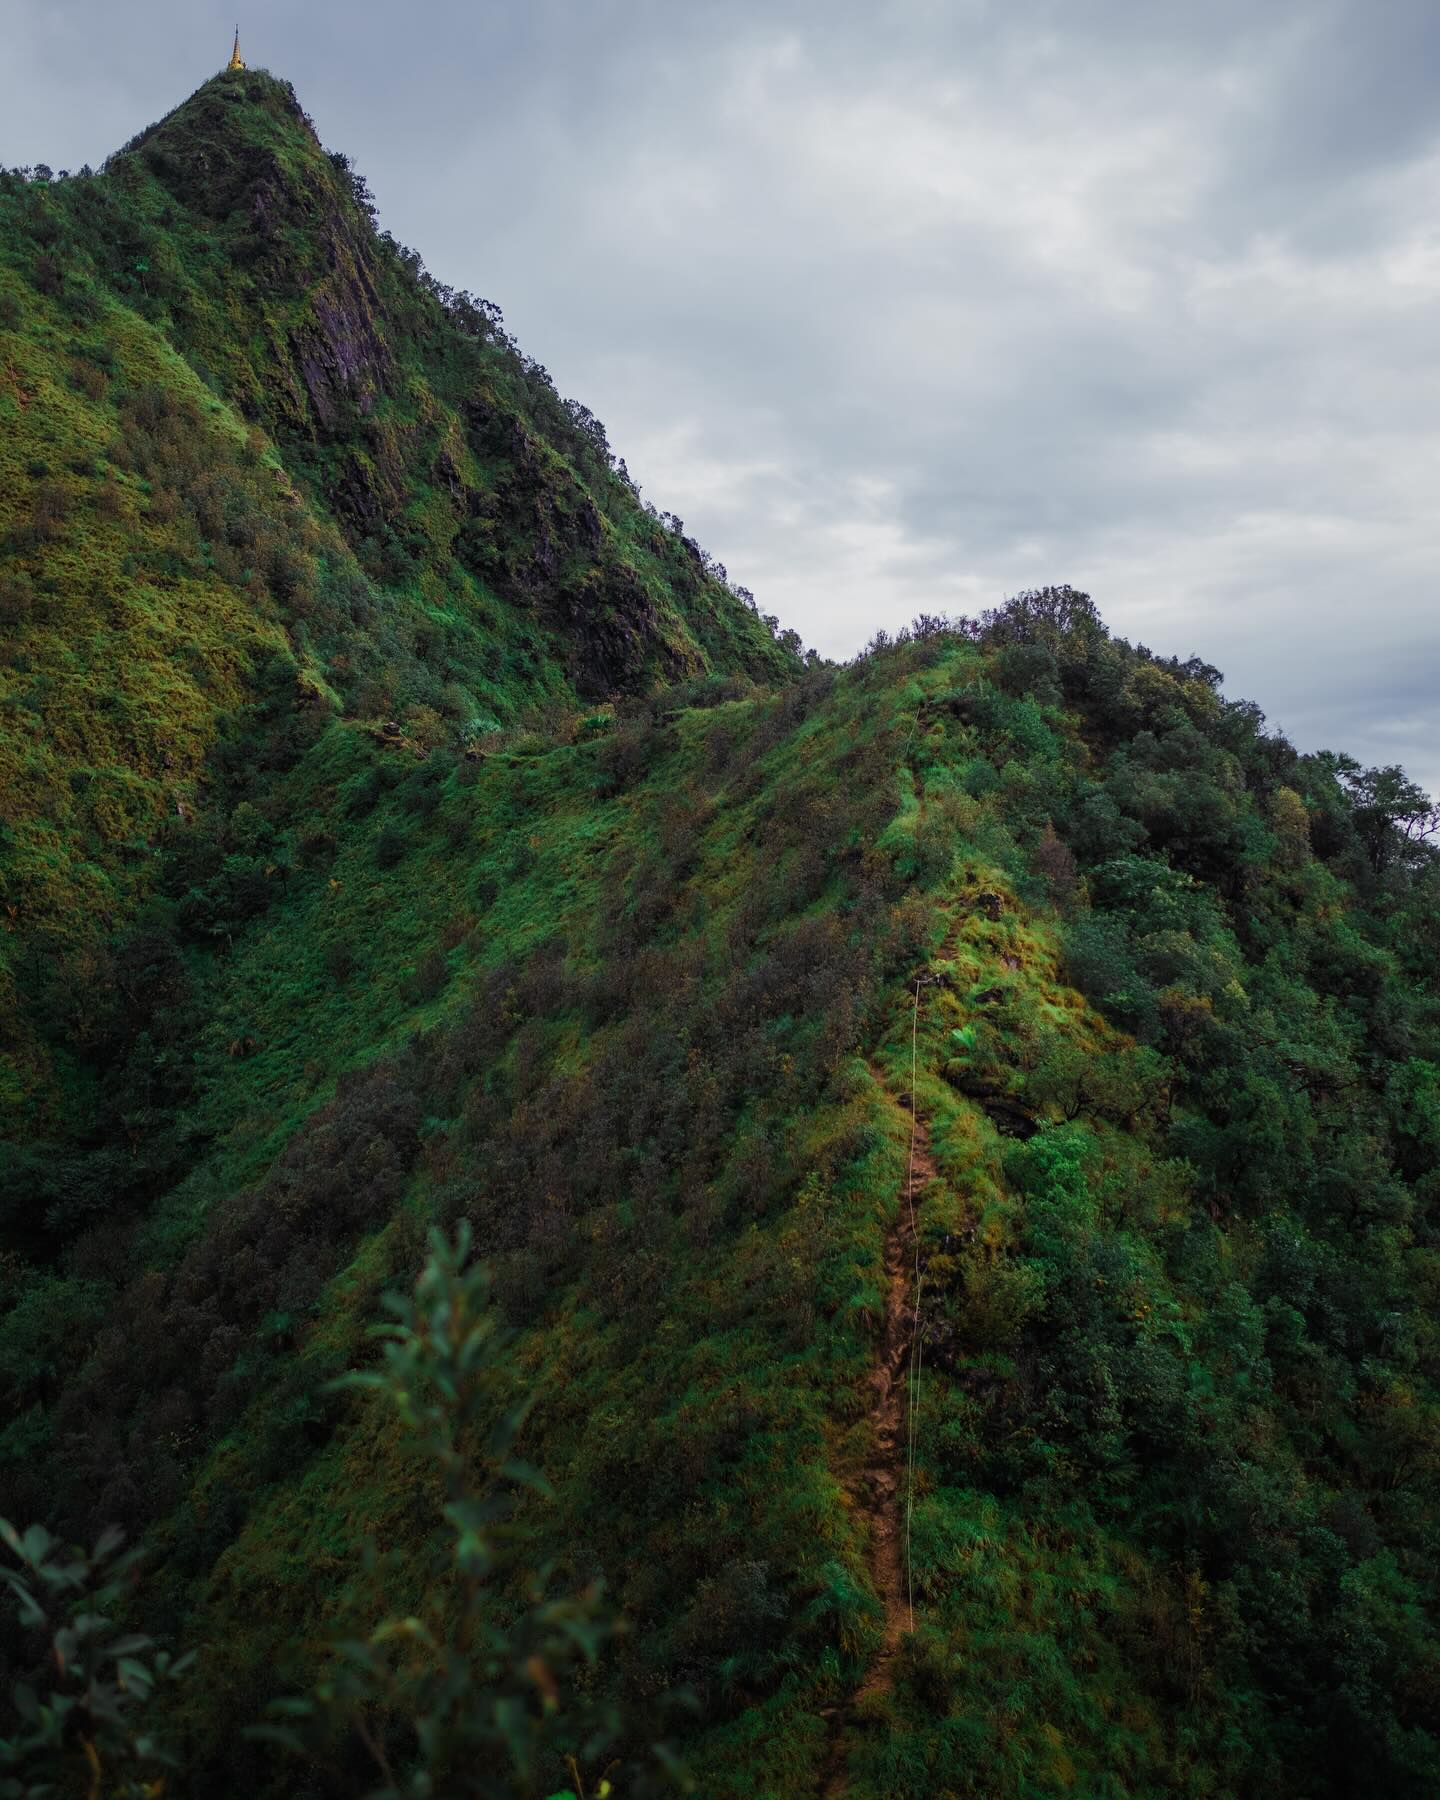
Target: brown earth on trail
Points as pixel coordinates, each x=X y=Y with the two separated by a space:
x=881 y=1492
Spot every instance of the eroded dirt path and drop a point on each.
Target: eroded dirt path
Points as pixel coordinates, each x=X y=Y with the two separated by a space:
x=882 y=1491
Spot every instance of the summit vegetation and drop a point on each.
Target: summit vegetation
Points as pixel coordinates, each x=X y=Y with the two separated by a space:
x=906 y=1196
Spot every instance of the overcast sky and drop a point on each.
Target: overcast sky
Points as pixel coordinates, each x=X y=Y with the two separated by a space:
x=906 y=307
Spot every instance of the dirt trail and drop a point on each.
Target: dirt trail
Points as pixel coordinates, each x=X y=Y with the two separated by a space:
x=882 y=1491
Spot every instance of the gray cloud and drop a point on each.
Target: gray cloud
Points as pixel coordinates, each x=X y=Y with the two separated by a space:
x=908 y=306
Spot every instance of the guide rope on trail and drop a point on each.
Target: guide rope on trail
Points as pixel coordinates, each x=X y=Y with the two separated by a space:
x=894 y=1423
x=917 y=1351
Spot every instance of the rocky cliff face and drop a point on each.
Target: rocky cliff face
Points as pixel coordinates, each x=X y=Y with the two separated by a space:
x=442 y=453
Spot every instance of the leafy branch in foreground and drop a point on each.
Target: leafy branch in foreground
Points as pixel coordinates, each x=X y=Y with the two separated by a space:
x=469 y=1699
x=78 y=1717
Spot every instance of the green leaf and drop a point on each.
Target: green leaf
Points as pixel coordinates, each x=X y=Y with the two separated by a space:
x=292 y=1707
x=36 y=1545
x=526 y=1475
x=108 y=1542
x=135 y=1676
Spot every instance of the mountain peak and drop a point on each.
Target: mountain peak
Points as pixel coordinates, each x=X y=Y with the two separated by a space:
x=240 y=127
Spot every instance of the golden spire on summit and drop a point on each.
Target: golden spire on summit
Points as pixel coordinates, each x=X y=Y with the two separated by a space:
x=236 y=62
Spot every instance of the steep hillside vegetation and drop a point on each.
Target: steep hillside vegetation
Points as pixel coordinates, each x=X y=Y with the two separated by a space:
x=253 y=457
x=956 y=1137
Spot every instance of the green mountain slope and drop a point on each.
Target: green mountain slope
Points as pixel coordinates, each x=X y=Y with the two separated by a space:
x=249 y=445
x=404 y=826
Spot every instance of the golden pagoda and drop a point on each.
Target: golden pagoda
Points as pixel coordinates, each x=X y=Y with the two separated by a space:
x=236 y=61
